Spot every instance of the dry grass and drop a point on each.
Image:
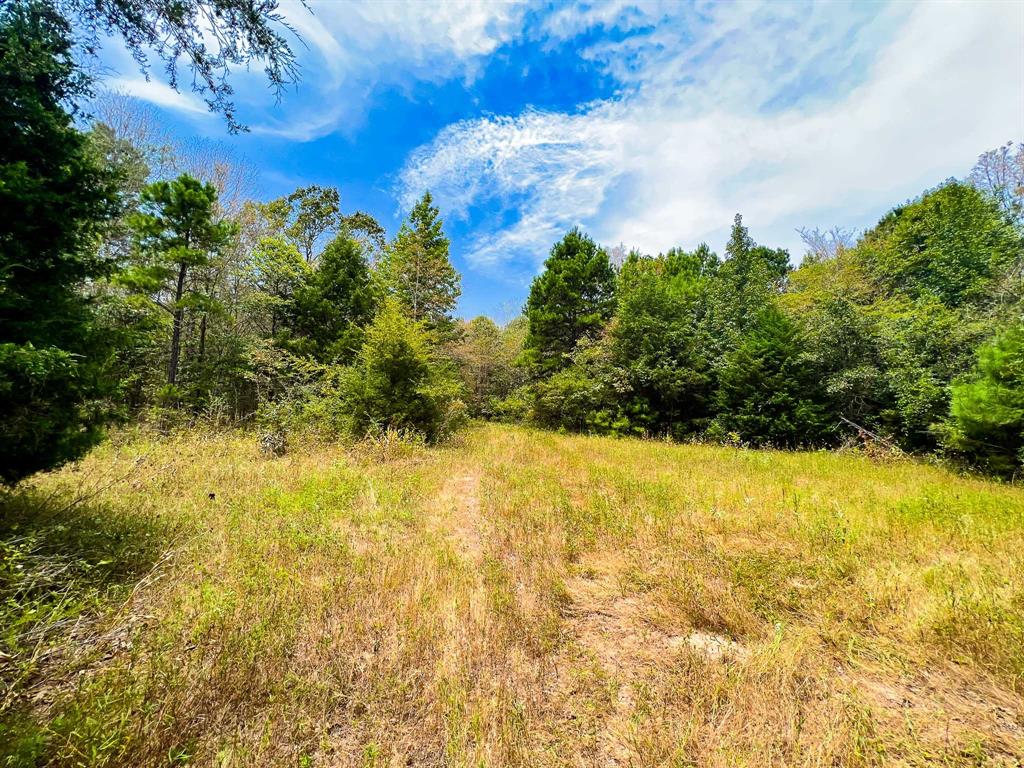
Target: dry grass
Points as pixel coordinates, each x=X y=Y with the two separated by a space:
x=522 y=598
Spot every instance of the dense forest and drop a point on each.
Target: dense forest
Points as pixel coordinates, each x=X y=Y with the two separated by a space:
x=139 y=282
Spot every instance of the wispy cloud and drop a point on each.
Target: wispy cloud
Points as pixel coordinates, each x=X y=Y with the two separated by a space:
x=359 y=47
x=790 y=114
x=158 y=93
x=347 y=52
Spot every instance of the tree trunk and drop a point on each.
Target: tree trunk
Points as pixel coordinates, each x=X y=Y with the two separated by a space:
x=202 y=338
x=179 y=316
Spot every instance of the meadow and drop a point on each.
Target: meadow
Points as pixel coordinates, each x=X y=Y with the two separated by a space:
x=514 y=598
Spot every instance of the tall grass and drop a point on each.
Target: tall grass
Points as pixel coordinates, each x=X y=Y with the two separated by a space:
x=522 y=598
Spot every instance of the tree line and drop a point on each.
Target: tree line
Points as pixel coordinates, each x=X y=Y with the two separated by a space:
x=139 y=281
x=911 y=333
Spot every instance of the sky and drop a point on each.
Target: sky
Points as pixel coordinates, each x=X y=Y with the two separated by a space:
x=646 y=124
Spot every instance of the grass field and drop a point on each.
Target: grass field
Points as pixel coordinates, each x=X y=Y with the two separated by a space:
x=518 y=599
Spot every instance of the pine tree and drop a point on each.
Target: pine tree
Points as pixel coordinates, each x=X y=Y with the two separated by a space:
x=417 y=269
x=334 y=303
x=398 y=382
x=176 y=232
x=987 y=411
x=572 y=299
x=55 y=199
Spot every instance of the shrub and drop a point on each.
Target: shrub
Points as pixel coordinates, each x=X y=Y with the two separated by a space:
x=399 y=382
x=768 y=391
x=987 y=412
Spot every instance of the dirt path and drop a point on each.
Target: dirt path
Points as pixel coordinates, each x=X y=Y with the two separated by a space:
x=457 y=508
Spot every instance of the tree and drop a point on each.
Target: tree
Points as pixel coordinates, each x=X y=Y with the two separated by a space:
x=1000 y=174
x=333 y=304
x=175 y=232
x=416 y=267
x=398 y=381
x=486 y=355
x=825 y=245
x=313 y=214
x=56 y=199
x=277 y=272
x=768 y=393
x=570 y=300
x=952 y=243
x=987 y=408
x=747 y=260
x=743 y=286
x=654 y=338
x=212 y=36
x=368 y=231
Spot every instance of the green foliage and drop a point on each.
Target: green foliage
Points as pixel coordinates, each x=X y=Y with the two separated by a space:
x=924 y=346
x=768 y=393
x=399 y=382
x=591 y=395
x=570 y=300
x=987 y=411
x=487 y=357
x=177 y=235
x=952 y=244
x=333 y=303
x=417 y=269
x=655 y=342
x=744 y=285
x=54 y=387
x=277 y=272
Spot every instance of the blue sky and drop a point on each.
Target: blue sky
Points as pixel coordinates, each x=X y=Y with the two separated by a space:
x=648 y=124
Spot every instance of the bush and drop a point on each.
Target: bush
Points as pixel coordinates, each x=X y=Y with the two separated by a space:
x=515 y=408
x=591 y=395
x=768 y=391
x=399 y=382
x=987 y=413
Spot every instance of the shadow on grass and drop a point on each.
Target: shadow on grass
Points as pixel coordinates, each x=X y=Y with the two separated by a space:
x=65 y=565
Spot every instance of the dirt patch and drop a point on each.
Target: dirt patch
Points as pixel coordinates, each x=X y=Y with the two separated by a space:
x=944 y=703
x=621 y=634
x=716 y=647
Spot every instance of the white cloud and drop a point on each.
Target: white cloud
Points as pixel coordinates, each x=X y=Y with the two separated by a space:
x=359 y=47
x=158 y=93
x=347 y=51
x=790 y=114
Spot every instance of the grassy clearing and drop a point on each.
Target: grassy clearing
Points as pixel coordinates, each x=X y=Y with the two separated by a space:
x=522 y=598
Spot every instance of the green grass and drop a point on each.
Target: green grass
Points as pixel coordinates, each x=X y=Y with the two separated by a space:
x=518 y=598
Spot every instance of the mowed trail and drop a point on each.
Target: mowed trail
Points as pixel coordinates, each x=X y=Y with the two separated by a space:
x=457 y=511
x=601 y=625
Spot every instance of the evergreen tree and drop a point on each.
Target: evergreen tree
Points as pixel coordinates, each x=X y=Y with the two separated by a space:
x=334 y=303
x=746 y=260
x=176 y=232
x=570 y=300
x=768 y=392
x=398 y=382
x=987 y=410
x=55 y=200
x=417 y=269
x=744 y=285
